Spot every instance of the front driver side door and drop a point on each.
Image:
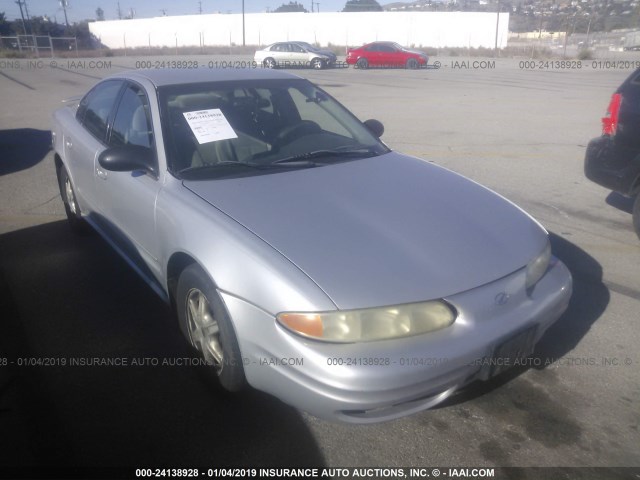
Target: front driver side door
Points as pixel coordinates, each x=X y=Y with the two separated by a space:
x=128 y=199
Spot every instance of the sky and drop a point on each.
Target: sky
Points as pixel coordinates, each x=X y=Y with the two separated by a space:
x=86 y=9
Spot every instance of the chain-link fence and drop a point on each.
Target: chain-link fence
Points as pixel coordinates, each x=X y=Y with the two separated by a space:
x=39 y=45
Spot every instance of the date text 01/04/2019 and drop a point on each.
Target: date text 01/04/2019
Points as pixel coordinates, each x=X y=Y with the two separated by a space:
x=140 y=361
x=352 y=472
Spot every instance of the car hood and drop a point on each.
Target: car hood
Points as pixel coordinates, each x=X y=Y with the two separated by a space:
x=328 y=53
x=416 y=52
x=383 y=230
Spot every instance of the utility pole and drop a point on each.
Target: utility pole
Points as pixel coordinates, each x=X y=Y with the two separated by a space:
x=566 y=37
x=65 y=4
x=119 y=12
x=26 y=12
x=497 y=27
x=243 y=43
x=199 y=8
x=24 y=26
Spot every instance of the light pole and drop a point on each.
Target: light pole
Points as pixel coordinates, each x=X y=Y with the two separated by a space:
x=24 y=26
x=243 y=44
x=497 y=27
x=65 y=4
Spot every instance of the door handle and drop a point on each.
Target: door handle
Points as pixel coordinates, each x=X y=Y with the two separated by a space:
x=101 y=173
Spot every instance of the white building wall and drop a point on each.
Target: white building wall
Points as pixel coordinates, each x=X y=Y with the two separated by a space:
x=420 y=29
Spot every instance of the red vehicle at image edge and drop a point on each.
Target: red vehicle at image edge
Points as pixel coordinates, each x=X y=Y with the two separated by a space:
x=613 y=159
x=386 y=54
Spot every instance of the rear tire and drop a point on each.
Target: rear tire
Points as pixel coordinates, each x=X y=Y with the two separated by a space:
x=205 y=323
x=71 y=206
x=269 y=63
x=636 y=215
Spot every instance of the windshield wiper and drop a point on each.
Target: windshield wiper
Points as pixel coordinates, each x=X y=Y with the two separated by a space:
x=227 y=167
x=327 y=154
x=302 y=160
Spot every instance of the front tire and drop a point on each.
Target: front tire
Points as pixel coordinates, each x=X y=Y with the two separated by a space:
x=317 y=64
x=71 y=206
x=205 y=323
x=362 y=63
x=636 y=215
x=412 y=64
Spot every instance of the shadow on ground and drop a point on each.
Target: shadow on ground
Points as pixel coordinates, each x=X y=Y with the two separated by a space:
x=620 y=202
x=65 y=298
x=22 y=148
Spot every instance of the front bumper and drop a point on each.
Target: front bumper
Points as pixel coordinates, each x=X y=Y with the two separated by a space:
x=611 y=165
x=379 y=381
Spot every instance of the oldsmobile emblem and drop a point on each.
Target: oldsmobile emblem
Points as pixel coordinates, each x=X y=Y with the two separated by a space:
x=502 y=298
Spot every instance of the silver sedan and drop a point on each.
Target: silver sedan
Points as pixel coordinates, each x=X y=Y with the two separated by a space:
x=294 y=54
x=303 y=256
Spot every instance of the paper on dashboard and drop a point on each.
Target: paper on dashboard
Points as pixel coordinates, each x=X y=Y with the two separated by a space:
x=209 y=125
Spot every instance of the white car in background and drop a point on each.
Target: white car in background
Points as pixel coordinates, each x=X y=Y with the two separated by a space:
x=294 y=54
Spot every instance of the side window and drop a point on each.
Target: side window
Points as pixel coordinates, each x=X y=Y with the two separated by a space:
x=297 y=48
x=94 y=109
x=132 y=123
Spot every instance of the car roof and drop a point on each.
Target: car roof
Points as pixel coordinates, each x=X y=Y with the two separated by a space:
x=284 y=43
x=171 y=76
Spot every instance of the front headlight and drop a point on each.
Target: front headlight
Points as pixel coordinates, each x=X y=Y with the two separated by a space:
x=370 y=324
x=538 y=266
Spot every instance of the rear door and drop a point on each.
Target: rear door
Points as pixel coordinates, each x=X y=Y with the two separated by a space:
x=373 y=54
x=281 y=53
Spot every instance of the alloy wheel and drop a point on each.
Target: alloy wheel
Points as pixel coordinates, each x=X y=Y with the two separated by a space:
x=204 y=331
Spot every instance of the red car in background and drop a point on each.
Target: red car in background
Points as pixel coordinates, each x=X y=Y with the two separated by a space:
x=386 y=54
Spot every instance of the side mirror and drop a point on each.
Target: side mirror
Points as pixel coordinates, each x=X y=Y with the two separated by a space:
x=375 y=127
x=128 y=159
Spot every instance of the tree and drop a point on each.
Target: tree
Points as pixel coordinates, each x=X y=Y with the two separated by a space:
x=362 y=6
x=86 y=40
x=44 y=26
x=99 y=14
x=291 y=7
x=5 y=27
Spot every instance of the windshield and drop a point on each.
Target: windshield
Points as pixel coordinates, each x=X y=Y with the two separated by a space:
x=311 y=48
x=223 y=129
